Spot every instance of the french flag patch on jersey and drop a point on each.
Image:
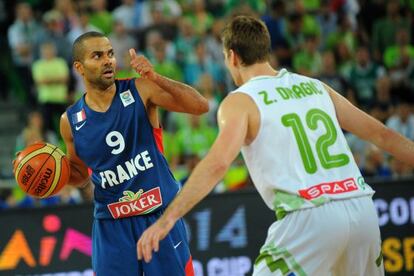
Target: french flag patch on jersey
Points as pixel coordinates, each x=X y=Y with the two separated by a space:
x=79 y=116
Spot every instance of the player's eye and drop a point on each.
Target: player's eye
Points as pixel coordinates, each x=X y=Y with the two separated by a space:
x=96 y=56
x=111 y=54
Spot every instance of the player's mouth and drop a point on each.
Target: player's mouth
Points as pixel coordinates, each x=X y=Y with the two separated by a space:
x=108 y=73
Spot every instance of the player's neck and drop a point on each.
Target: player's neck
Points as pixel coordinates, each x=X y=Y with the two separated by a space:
x=99 y=99
x=257 y=69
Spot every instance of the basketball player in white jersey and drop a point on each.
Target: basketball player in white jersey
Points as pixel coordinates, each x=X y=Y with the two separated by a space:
x=288 y=128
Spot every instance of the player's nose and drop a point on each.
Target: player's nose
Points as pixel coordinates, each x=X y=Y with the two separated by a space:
x=108 y=60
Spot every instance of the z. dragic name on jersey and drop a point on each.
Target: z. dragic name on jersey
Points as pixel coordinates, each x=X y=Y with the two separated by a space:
x=295 y=92
x=127 y=170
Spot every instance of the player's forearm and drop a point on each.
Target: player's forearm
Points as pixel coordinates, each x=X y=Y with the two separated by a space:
x=78 y=178
x=189 y=98
x=397 y=145
x=208 y=172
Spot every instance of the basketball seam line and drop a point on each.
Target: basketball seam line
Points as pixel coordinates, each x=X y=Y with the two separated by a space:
x=27 y=159
x=30 y=186
x=48 y=192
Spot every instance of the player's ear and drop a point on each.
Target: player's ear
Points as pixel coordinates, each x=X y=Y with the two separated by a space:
x=233 y=58
x=78 y=67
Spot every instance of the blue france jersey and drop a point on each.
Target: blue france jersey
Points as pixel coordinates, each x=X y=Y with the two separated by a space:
x=129 y=171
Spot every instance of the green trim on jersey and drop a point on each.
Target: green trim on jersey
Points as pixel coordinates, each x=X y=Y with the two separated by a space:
x=279 y=75
x=285 y=203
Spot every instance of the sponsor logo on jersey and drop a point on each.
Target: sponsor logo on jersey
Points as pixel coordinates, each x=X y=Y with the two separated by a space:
x=80 y=126
x=126 y=171
x=134 y=204
x=127 y=98
x=337 y=187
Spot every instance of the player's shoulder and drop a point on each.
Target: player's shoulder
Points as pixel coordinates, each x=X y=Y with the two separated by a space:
x=144 y=85
x=237 y=100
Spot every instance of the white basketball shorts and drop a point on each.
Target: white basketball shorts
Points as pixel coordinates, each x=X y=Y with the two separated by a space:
x=339 y=238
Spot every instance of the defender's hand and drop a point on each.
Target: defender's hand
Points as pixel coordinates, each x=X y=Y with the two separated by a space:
x=142 y=65
x=150 y=239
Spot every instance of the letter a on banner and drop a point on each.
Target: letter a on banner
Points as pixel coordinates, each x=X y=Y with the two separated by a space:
x=17 y=248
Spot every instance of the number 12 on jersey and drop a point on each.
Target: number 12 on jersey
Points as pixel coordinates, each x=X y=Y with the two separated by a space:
x=322 y=144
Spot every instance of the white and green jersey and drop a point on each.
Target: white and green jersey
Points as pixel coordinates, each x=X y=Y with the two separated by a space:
x=300 y=158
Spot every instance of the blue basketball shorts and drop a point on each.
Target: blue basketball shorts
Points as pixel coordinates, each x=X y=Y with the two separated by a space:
x=114 y=248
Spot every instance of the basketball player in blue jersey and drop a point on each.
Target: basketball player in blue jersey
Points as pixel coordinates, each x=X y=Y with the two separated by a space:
x=113 y=139
x=288 y=127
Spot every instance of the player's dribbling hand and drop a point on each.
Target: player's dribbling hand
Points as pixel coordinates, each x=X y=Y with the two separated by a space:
x=14 y=161
x=150 y=239
x=142 y=65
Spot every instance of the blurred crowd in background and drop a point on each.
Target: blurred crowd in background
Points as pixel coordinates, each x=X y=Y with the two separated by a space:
x=363 y=49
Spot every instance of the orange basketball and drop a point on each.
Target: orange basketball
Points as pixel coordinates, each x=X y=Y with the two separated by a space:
x=41 y=170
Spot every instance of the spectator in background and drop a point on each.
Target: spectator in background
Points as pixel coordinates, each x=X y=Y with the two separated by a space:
x=343 y=34
x=22 y=35
x=213 y=41
x=394 y=54
x=83 y=26
x=375 y=163
x=207 y=88
x=294 y=38
x=310 y=24
x=402 y=120
x=163 y=65
x=122 y=41
x=400 y=169
x=243 y=6
x=329 y=75
x=53 y=33
x=275 y=22
x=70 y=195
x=201 y=19
x=363 y=75
x=185 y=42
x=385 y=29
x=308 y=61
x=196 y=137
x=383 y=91
x=344 y=59
x=152 y=10
x=327 y=21
x=51 y=74
x=70 y=17
x=201 y=64
x=153 y=41
x=126 y=14
x=35 y=131
x=100 y=17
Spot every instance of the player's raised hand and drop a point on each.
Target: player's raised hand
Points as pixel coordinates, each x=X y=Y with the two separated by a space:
x=142 y=65
x=150 y=239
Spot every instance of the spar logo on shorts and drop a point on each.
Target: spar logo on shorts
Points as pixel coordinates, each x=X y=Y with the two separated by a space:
x=134 y=204
x=330 y=188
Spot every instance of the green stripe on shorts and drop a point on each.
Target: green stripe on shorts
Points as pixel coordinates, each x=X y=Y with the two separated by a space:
x=279 y=259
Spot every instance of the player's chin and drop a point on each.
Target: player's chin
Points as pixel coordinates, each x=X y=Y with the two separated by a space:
x=107 y=80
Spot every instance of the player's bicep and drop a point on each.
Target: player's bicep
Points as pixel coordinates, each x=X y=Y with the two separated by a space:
x=151 y=93
x=353 y=119
x=232 y=119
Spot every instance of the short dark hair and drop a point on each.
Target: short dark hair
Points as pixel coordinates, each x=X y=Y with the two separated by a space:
x=78 y=49
x=248 y=37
